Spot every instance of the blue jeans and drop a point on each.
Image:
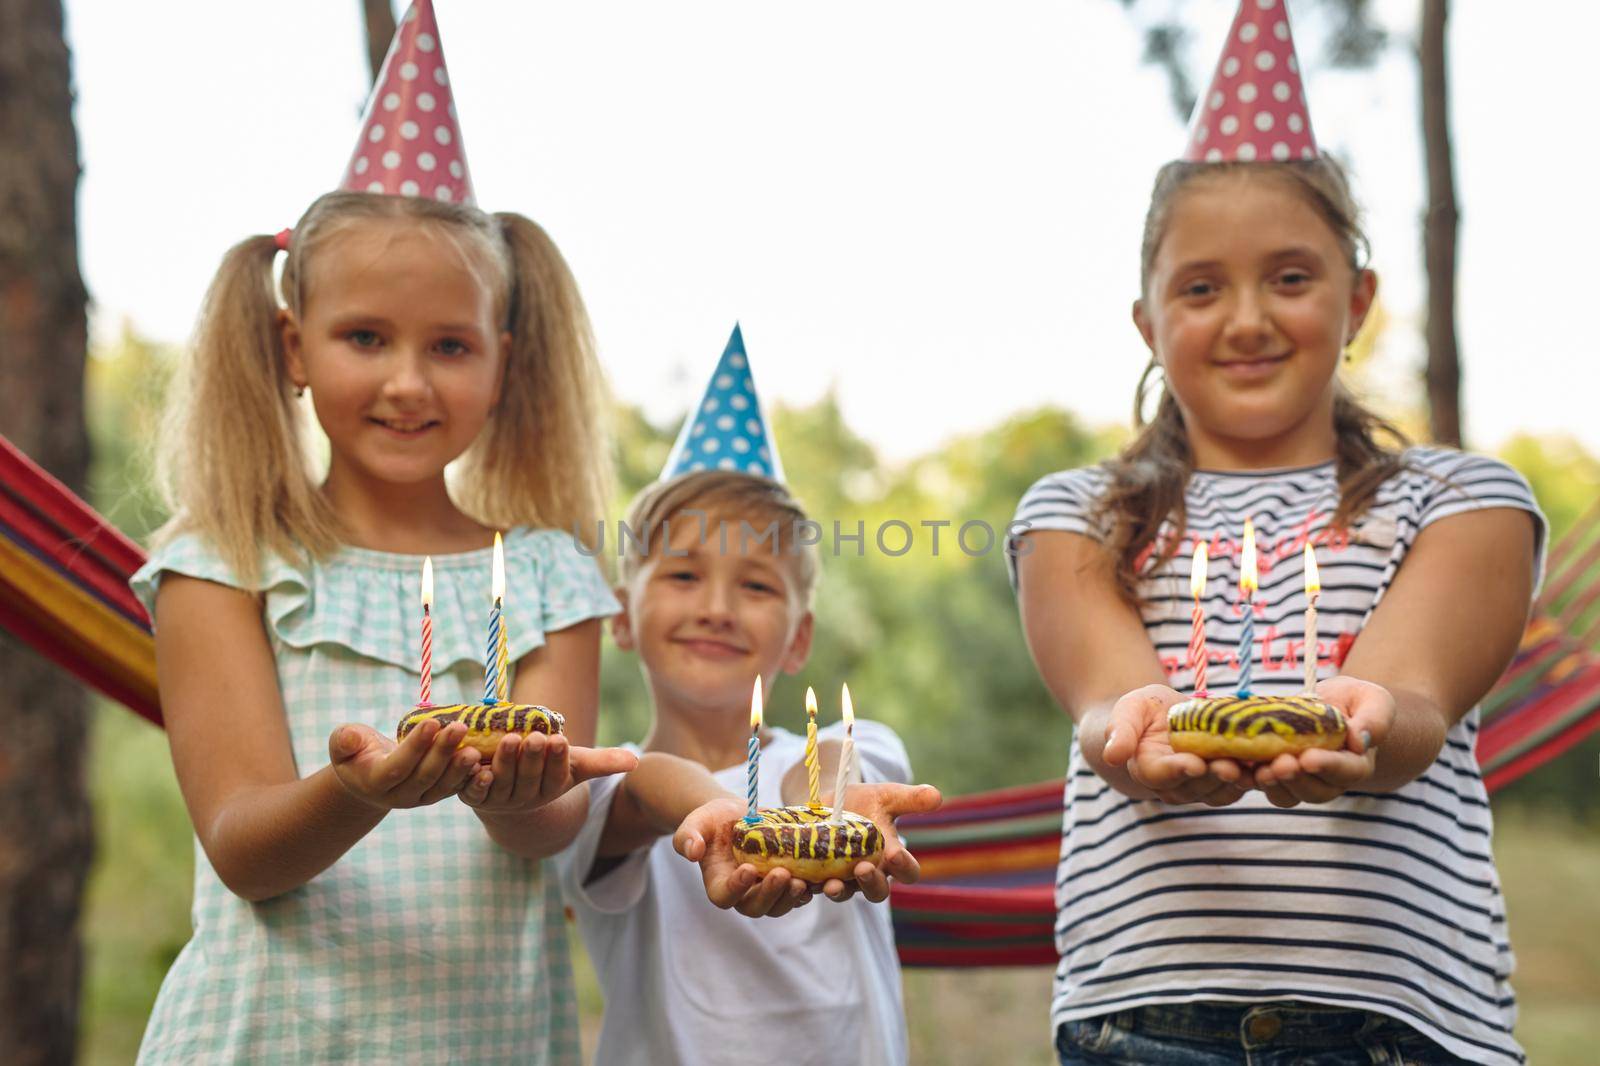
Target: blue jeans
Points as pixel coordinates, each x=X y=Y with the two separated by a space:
x=1262 y=1034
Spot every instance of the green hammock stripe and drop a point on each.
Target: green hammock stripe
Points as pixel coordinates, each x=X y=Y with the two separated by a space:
x=1539 y=736
x=1032 y=825
x=1513 y=692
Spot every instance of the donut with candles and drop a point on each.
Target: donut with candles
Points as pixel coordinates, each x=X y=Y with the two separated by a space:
x=802 y=840
x=1254 y=728
x=486 y=723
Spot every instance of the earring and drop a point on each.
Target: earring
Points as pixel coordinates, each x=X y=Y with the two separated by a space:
x=300 y=391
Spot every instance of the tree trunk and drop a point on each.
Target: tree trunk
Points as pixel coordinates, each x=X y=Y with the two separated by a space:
x=1439 y=227
x=379 y=17
x=46 y=831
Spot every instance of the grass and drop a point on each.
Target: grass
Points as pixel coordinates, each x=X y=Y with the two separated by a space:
x=137 y=917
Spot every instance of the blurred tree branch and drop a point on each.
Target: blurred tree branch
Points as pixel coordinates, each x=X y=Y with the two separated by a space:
x=378 y=16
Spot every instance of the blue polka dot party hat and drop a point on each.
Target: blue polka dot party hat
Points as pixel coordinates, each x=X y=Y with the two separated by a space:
x=728 y=431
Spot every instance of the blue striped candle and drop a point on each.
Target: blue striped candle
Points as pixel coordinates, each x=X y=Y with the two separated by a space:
x=751 y=817
x=491 y=658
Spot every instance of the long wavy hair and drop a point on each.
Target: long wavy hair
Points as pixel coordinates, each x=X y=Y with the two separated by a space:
x=235 y=462
x=1149 y=476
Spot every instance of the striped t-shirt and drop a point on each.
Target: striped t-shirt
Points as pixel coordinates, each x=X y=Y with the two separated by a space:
x=1383 y=901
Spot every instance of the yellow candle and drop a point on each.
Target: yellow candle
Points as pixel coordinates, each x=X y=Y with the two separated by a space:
x=813 y=767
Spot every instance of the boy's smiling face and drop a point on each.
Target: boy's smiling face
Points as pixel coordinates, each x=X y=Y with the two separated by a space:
x=706 y=622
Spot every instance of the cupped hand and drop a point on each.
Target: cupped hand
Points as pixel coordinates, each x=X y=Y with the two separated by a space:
x=706 y=837
x=1137 y=737
x=883 y=802
x=1318 y=774
x=529 y=772
x=423 y=768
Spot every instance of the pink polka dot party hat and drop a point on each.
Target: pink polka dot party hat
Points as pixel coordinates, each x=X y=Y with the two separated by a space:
x=1256 y=106
x=410 y=143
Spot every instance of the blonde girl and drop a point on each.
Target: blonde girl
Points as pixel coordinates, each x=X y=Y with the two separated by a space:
x=357 y=899
x=1339 y=905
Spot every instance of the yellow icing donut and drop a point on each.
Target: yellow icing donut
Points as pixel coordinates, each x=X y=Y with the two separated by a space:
x=486 y=723
x=1254 y=728
x=800 y=839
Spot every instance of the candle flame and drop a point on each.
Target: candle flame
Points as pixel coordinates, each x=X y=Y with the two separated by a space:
x=811 y=703
x=1313 y=578
x=849 y=708
x=497 y=581
x=755 y=706
x=1247 y=560
x=427 y=582
x=1197 y=571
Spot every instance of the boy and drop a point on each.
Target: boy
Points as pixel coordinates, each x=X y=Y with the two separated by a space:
x=684 y=983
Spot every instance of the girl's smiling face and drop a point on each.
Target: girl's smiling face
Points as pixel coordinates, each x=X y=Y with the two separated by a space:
x=399 y=345
x=1249 y=302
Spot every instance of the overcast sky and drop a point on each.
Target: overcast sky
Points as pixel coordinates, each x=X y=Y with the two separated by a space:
x=927 y=200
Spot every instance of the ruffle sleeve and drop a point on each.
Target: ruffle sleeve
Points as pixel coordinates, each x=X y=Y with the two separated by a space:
x=371 y=602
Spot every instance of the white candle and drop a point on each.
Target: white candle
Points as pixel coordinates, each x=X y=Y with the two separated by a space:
x=847 y=767
x=1313 y=590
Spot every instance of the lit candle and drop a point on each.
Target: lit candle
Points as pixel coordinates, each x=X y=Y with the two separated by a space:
x=813 y=766
x=846 y=756
x=1197 y=634
x=497 y=588
x=503 y=657
x=1247 y=593
x=755 y=753
x=1313 y=590
x=427 y=633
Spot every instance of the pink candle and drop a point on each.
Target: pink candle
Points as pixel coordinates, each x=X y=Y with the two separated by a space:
x=1197 y=635
x=427 y=632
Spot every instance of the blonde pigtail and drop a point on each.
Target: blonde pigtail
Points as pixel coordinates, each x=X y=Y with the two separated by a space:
x=545 y=457
x=232 y=463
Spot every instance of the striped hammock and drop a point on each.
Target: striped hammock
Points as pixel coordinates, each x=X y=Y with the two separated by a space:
x=986 y=897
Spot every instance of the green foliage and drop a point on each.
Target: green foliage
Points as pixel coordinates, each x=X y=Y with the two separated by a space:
x=1565 y=477
x=127 y=384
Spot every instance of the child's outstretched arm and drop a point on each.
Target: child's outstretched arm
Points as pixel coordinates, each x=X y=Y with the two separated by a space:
x=1438 y=641
x=655 y=800
x=538 y=773
x=1095 y=657
x=266 y=829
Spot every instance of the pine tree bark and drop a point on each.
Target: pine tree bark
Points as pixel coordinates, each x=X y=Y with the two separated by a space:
x=1439 y=227
x=46 y=830
x=379 y=19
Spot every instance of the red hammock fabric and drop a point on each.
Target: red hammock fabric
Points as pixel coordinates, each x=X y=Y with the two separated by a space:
x=987 y=893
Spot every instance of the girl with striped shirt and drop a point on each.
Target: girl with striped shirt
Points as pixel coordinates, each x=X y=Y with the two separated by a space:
x=1336 y=907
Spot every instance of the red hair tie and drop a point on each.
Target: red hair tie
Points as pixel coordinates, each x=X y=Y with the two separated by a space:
x=281 y=239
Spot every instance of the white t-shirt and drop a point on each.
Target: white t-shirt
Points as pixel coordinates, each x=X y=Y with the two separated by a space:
x=686 y=983
x=1387 y=901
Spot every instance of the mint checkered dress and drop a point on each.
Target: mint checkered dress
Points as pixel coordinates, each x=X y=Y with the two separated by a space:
x=426 y=942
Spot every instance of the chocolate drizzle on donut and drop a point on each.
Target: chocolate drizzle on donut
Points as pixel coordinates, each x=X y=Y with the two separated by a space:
x=487 y=718
x=804 y=832
x=1248 y=716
